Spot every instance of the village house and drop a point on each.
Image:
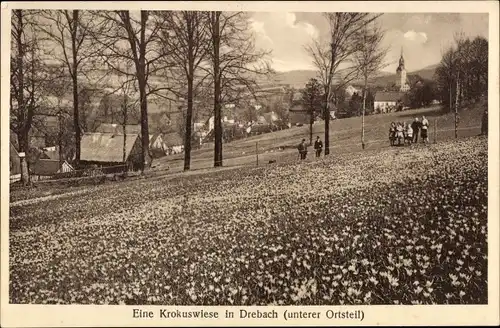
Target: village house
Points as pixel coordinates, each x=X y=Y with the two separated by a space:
x=386 y=102
x=46 y=168
x=173 y=143
x=112 y=149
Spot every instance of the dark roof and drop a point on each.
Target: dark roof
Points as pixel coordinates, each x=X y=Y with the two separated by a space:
x=106 y=147
x=388 y=96
x=173 y=139
x=45 y=167
x=153 y=138
x=299 y=117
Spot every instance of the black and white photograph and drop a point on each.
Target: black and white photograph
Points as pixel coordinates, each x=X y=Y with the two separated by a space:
x=212 y=157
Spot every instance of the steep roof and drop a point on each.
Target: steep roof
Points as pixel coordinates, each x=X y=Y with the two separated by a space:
x=173 y=139
x=153 y=137
x=45 y=167
x=106 y=147
x=390 y=96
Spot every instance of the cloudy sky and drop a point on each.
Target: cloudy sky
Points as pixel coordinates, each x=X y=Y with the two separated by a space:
x=423 y=36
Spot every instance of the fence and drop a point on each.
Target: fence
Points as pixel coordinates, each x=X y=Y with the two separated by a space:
x=91 y=172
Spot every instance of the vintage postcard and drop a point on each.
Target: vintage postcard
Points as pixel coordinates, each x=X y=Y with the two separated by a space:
x=249 y=163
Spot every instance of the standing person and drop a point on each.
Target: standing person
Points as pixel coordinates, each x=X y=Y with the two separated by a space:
x=409 y=133
x=399 y=133
x=392 y=133
x=318 y=146
x=303 y=149
x=484 y=123
x=423 y=131
x=415 y=126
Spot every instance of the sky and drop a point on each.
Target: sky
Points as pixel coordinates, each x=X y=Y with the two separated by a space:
x=422 y=36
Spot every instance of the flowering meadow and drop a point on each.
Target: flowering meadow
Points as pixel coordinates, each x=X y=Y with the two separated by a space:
x=397 y=226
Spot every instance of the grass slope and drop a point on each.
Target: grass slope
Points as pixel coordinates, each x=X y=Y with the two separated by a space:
x=345 y=136
x=390 y=226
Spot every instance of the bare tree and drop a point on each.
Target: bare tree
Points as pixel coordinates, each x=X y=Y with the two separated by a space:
x=185 y=37
x=328 y=55
x=463 y=66
x=235 y=65
x=70 y=30
x=311 y=99
x=134 y=37
x=28 y=78
x=369 y=59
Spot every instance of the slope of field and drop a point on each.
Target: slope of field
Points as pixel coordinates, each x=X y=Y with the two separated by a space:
x=345 y=136
x=391 y=226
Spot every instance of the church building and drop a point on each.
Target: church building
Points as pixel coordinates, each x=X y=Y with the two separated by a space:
x=402 y=80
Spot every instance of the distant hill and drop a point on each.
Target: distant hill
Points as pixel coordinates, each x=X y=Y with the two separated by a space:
x=299 y=78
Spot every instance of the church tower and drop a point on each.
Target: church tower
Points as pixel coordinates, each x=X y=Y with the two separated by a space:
x=401 y=73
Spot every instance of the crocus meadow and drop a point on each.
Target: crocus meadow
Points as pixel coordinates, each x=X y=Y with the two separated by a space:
x=397 y=226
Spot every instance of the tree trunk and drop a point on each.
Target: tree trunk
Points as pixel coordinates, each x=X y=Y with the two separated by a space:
x=311 y=122
x=23 y=128
x=189 y=118
x=142 y=93
x=327 y=124
x=363 y=115
x=217 y=91
x=125 y=118
x=144 y=125
x=60 y=139
x=190 y=94
x=74 y=76
x=23 y=139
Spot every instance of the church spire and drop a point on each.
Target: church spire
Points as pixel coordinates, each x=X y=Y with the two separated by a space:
x=401 y=60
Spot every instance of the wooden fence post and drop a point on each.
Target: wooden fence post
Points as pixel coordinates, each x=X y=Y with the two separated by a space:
x=257 y=151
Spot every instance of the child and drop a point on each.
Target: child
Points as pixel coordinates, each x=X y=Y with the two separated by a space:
x=399 y=133
x=392 y=133
x=409 y=134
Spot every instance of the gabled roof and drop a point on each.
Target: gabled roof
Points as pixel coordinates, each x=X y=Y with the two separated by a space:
x=390 y=96
x=45 y=167
x=106 y=147
x=154 y=137
x=173 y=139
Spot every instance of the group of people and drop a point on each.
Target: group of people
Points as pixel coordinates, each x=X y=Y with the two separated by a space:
x=406 y=134
x=318 y=148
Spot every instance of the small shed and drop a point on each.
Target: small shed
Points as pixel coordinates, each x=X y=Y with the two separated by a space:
x=109 y=149
x=46 y=168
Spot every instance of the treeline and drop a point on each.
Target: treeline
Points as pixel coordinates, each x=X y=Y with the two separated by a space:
x=462 y=73
x=143 y=56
